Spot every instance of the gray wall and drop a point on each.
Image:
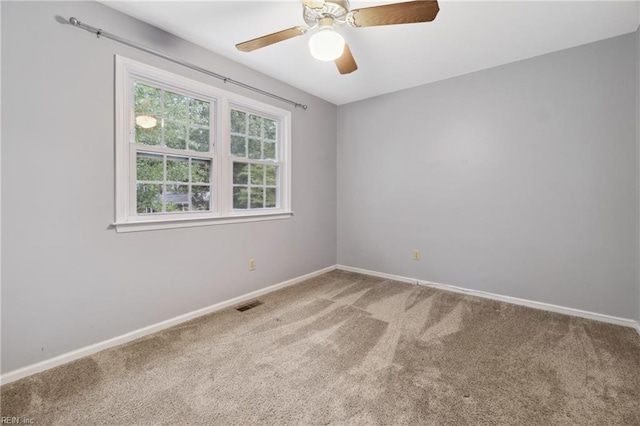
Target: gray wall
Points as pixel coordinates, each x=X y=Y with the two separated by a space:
x=67 y=280
x=518 y=180
x=638 y=153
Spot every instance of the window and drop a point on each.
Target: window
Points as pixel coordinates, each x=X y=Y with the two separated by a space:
x=189 y=154
x=255 y=166
x=174 y=151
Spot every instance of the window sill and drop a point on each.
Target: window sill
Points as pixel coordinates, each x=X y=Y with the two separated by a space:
x=157 y=224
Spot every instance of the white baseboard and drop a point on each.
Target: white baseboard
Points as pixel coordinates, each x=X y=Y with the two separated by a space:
x=136 y=334
x=377 y=274
x=29 y=370
x=514 y=300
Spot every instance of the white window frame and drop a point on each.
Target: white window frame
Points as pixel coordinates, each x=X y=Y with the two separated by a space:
x=126 y=218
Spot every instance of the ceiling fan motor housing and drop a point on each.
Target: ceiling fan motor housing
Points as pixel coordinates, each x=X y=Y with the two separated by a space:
x=336 y=9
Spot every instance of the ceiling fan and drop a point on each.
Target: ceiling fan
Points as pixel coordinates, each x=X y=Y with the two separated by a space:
x=323 y=16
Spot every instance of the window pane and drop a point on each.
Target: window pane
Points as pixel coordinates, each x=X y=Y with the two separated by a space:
x=177 y=198
x=272 y=175
x=269 y=129
x=175 y=107
x=150 y=136
x=240 y=198
x=238 y=122
x=199 y=139
x=175 y=135
x=255 y=125
x=149 y=167
x=199 y=112
x=201 y=171
x=200 y=197
x=240 y=173
x=177 y=169
x=269 y=151
x=257 y=174
x=148 y=100
x=257 y=198
x=149 y=198
x=239 y=146
x=271 y=197
x=255 y=149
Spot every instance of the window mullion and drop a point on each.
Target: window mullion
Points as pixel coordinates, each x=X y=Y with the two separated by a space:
x=190 y=184
x=164 y=184
x=253 y=161
x=223 y=166
x=163 y=143
x=176 y=152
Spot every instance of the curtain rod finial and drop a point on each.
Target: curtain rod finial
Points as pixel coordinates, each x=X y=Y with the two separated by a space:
x=74 y=21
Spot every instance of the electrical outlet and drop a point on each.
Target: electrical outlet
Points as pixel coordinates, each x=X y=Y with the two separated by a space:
x=252 y=264
x=416 y=255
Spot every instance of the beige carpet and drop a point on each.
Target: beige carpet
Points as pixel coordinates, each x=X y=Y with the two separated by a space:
x=345 y=348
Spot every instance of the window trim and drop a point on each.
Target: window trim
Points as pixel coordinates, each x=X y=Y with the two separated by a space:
x=222 y=212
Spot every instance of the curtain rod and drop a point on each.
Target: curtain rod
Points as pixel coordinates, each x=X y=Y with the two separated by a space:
x=100 y=33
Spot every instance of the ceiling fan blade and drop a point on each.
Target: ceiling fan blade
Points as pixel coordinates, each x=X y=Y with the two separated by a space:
x=257 y=43
x=314 y=4
x=346 y=64
x=397 y=13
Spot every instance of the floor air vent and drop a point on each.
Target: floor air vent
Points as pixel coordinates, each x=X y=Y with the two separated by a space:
x=249 y=306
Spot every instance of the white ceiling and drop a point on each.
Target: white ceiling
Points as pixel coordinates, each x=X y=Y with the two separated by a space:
x=464 y=37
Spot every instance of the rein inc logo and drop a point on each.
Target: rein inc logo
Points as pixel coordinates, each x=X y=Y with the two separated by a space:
x=4 y=420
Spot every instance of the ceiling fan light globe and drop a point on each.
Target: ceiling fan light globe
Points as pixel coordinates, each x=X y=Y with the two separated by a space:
x=326 y=45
